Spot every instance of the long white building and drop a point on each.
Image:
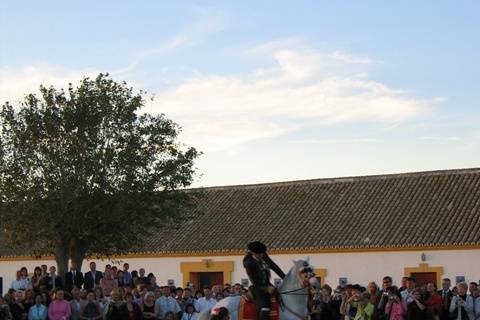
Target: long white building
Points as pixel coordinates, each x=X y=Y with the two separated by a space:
x=355 y=229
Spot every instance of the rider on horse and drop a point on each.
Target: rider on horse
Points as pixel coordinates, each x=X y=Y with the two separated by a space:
x=258 y=264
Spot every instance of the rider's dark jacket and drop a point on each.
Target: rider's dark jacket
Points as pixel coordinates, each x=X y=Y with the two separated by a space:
x=259 y=271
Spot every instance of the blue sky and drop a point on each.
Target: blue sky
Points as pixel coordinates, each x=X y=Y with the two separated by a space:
x=273 y=90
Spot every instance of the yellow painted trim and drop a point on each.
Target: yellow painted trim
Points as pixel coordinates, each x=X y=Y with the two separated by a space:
x=424 y=267
x=321 y=273
x=272 y=252
x=207 y=265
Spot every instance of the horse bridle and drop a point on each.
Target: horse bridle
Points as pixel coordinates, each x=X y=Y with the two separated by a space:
x=308 y=271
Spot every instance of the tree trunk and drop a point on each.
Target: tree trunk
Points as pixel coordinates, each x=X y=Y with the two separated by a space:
x=77 y=253
x=61 y=257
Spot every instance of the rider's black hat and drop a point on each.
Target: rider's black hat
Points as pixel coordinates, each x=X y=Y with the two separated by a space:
x=257 y=247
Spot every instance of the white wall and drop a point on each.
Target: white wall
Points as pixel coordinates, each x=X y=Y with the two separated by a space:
x=356 y=267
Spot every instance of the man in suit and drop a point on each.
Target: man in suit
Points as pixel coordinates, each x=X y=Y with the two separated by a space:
x=73 y=278
x=54 y=281
x=446 y=295
x=92 y=277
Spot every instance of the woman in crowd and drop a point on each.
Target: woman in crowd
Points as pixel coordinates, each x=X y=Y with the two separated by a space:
x=115 y=306
x=148 y=306
x=26 y=281
x=36 y=279
x=434 y=302
x=59 y=308
x=37 y=311
x=91 y=309
x=190 y=312
x=108 y=283
x=130 y=310
x=416 y=310
x=394 y=307
x=365 y=308
x=100 y=298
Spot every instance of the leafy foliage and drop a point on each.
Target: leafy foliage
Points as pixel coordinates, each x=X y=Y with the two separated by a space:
x=82 y=172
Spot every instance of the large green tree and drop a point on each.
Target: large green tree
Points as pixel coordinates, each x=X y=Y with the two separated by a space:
x=83 y=172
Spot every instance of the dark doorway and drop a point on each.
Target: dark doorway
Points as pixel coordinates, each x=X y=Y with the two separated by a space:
x=206 y=279
x=422 y=278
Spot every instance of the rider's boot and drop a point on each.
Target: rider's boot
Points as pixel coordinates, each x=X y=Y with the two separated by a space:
x=264 y=314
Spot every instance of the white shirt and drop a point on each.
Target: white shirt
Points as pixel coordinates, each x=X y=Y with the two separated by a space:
x=191 y=316
x=166 y=304
x=17 y=285
x=204 y=304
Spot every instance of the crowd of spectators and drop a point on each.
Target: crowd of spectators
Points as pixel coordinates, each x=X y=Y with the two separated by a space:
x=388 y=302
x=115 y=294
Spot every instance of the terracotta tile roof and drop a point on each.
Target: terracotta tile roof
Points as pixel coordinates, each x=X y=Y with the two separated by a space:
x=423 y=209
x=437 y=208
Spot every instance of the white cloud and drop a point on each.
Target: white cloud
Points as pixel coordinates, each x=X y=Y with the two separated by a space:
x=16 y=83
x=300 y=90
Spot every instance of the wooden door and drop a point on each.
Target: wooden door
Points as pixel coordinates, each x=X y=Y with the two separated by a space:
x=208 y=279
x=422 y=278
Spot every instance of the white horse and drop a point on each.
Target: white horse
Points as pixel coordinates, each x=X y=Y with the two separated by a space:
x=294 y=292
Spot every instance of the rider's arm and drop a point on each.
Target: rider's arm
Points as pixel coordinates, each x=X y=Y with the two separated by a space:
x=274 y=266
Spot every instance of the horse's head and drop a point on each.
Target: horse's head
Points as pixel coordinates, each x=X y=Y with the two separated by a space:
x=304 y=270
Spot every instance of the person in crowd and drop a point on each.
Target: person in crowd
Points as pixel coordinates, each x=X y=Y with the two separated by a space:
x=59 y=308
x=152 y=283
x=190 y=312
x=134 y=280
x=18 y=307
x=417 y=309
x=114 y=311
x=17 y=284
x=38 y=311
x=166 y=303
x=148 y=306
x=237 y=289
x=219 y=296
x=92 y=277
x=5 y=309
x=76 y=304
x=170 y=315
x=37 y=280
x=54 y=282
x=394 y=308
x=130 y=310
x=46 y=300
x=142 y=279
x=365 y=308
x=114 y=272
x=349 y=306
x=407 y=294
x=91 y=309
x=403 y=284
x=473 y=287
x=25 y=279
x=121 y=279
x=461 y=307
x=206 y=302
x=127 y=276
x=325 y=305
x=187 y=296
x=433 y=301
x=73 y=278
x=198 y=295
x=100 y=297
x=220 y=314
x=108 y=283
x=447 y=294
